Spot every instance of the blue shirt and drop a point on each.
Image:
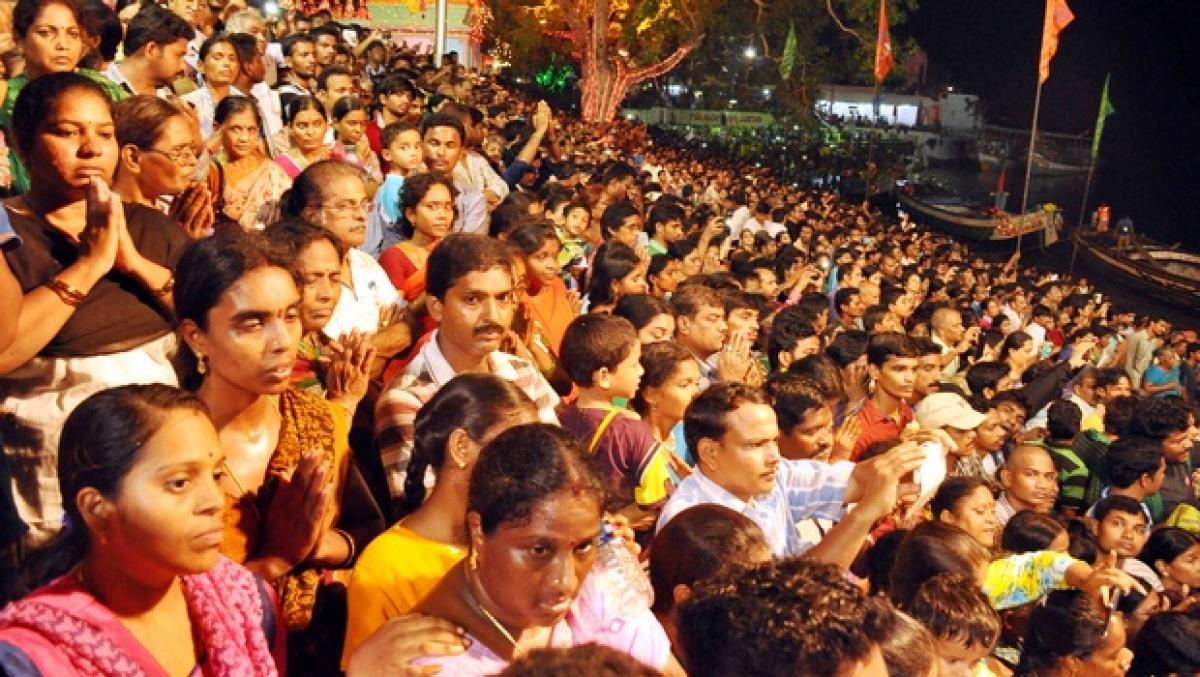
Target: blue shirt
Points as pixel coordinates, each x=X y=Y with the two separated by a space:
x=1157 y=376
x=385 y=213
x=803 y=490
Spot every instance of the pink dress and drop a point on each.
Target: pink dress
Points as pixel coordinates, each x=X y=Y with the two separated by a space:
x=591 y=619
x=60 y=629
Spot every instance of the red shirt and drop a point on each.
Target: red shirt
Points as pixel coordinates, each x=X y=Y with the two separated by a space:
x=876 y=427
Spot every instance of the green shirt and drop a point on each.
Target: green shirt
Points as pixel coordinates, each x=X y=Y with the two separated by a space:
x=20 y=175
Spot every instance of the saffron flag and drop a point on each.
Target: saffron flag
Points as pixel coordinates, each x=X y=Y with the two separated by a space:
x=1058 y=17
x=788 y=62
x=1106 y=109
x=884 y=60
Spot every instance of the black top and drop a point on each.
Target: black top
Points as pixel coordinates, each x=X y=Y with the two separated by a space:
x=119 y=313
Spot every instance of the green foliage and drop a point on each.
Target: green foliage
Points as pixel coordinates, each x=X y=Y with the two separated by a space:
x=799 y=45
x=555 y=76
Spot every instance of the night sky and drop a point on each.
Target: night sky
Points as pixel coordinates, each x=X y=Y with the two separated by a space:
x=1149 y=167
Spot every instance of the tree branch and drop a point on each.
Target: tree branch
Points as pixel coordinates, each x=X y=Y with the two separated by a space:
x=662 y=67
x=844 y=27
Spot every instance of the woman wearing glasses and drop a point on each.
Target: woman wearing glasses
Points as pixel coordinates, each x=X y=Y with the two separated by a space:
x=253 y=184
x=333 y=195
x=156 y=163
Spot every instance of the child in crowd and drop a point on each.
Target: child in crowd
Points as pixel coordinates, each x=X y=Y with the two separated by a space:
x=963 y=623
x=402 y=149
x=601 y=353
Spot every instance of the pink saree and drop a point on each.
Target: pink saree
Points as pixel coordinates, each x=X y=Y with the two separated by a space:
x=62 y=629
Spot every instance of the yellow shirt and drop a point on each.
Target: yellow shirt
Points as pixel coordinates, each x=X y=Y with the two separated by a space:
x=395 y=572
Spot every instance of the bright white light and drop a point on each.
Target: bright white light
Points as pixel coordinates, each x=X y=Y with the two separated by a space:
x=750 y=52
x=766 y=92
x=271 y=8
x=733 y=102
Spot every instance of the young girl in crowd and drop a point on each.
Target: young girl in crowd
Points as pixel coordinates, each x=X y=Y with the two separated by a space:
x=1174 y=554
x=670 y=381
x=426 y=214
x=253 y=184
x=550 y=307
x=402 y=564
x=616 y=270
x=349 y=119
x=136 y=579
x=650 y=315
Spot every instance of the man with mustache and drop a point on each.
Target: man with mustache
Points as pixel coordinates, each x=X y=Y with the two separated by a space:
x=469 y=289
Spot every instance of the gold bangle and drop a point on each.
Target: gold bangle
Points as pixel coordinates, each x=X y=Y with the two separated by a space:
x=167 y=288
x=65 y=292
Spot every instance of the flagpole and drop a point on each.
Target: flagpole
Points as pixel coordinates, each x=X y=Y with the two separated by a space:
x=1082 y=211
x=1037 y=104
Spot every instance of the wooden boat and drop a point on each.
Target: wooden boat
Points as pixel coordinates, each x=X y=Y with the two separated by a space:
x=931 y=205
x=1164 y=273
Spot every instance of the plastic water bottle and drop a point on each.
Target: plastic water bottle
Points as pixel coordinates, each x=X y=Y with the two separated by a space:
x=622 y=576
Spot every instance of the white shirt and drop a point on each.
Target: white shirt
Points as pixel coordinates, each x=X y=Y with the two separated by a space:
x=951 y=369
x=206 y=107
x=269 y=106
x=1036 y=332
x=803 y=490
x=363 y=297
x=739 y=218
x=474 y=171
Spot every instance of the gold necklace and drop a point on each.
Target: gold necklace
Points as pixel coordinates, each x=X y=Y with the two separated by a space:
x=487 y=614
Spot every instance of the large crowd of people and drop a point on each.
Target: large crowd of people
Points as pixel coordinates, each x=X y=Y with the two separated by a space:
x=317 y=357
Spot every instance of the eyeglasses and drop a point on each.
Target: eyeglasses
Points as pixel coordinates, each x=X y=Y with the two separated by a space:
x=180 y=156
x=347 y=207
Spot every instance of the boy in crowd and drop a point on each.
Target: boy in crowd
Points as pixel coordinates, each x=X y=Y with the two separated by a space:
x=1122 y=528
x=601 y=354
x=403 y=153
x=892 y=361
x=1136 y=469
x=793 y=617
x=962 y=621
x=1170 y=422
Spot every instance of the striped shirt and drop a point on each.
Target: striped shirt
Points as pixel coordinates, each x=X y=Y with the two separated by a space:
x=803 y=490
x=397 y=407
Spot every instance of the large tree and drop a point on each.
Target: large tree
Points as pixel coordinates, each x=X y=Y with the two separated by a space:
x=621 y=43
x=617 y=43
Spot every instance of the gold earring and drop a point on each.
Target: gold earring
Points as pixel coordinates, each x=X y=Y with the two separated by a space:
x=201 y=364
x=473 y=561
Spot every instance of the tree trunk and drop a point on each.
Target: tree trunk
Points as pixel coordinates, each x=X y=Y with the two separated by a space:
x=606 y=78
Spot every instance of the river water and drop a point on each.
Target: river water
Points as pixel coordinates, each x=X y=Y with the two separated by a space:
x=1067 y=193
